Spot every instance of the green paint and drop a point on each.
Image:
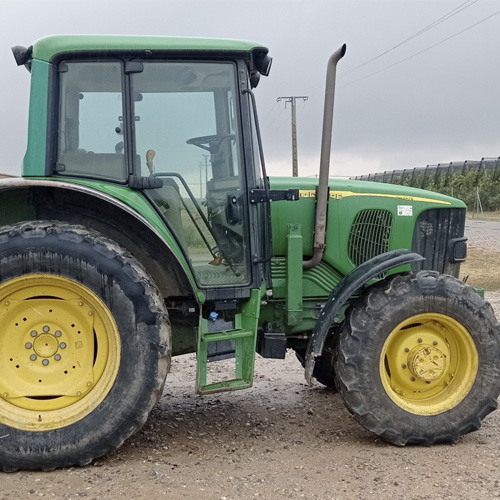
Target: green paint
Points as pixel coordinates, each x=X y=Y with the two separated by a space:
x=294 y=275
x=46 y=48
x=34 y=159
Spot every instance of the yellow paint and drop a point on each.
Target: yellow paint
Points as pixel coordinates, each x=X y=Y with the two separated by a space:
x=59 y=352
x=338 y=195
x=428 y=364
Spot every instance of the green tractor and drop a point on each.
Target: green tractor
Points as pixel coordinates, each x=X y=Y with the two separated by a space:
x=145 y=226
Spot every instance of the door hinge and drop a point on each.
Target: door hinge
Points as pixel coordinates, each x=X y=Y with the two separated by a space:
x=262 y=195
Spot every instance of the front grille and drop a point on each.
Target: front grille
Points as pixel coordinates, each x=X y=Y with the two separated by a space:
x=434 y=230
x=369 y=236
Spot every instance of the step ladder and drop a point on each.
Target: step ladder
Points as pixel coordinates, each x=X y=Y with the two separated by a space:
x=243 y=337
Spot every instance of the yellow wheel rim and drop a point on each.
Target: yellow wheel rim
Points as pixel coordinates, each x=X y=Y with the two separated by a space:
x=428 y=364
x=59 y=352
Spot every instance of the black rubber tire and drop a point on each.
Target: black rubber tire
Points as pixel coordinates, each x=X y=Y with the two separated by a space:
x=359 y=347
x=134 y=301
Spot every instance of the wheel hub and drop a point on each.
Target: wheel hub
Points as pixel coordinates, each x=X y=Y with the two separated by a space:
x=45 y=345
x=427 y=363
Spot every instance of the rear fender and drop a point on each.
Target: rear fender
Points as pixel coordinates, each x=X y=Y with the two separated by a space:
x=148 y=239
x=339 y=296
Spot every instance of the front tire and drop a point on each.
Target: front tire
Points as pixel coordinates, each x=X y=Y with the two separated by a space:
x=417 y=359
x=84 y=348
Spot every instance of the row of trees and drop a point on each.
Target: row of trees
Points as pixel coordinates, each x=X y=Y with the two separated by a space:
x=476 y=183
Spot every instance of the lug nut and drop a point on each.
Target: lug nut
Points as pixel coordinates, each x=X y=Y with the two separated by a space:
x=403 y=365
x=57 y=357
x=29 y=345
x=46 y=329
x=419 y=341
x=34 y=333
x=58 y=333
x=435 y=342
x=45 y=362
x=62 y=345
x=33 y=357
x=407 y=349
x=412 y=379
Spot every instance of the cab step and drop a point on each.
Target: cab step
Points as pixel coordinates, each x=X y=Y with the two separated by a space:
x=244 y=356
x=242 y=339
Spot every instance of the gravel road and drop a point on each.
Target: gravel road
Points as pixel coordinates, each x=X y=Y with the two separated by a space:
x=483 y=234
x=281 y=439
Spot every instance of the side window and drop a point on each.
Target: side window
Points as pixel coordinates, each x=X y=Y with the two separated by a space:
x=91 y=131
x=99 y=120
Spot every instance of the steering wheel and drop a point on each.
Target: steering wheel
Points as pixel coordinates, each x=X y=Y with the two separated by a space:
x=207 y=142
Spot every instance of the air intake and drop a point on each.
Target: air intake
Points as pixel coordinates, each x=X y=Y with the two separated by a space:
x=369 y=236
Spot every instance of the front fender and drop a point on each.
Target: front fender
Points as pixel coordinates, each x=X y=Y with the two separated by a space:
x=349 y=284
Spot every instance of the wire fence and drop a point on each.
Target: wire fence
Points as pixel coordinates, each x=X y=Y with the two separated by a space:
x=477 y=183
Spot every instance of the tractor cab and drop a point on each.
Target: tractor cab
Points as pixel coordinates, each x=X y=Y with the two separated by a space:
x=177 y=125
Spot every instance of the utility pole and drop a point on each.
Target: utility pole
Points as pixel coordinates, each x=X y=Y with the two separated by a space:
x=292 y=100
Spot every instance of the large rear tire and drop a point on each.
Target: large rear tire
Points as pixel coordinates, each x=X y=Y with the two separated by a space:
x=417 y=359
x=84 y=345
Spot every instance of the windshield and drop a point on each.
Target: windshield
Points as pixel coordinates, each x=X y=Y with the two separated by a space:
x=187 y=133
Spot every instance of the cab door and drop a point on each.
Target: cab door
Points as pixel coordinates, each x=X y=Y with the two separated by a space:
x=188 y=132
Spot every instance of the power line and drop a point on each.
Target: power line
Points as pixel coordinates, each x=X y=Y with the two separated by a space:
x=273 y=120
x=277 y=126
x=425 y=50
x=437 y=22
x=270 y=111
x=445 y=17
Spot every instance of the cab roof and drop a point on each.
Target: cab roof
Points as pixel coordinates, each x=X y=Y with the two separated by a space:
x=50 y=47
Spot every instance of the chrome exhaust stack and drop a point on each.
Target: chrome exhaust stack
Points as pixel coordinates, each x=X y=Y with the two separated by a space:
x=324 y=166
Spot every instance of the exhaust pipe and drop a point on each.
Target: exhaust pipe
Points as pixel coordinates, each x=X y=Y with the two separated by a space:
x=324 y=166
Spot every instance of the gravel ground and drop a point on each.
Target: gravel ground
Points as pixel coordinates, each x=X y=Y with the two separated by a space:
x=483 y=234
x=281 y=439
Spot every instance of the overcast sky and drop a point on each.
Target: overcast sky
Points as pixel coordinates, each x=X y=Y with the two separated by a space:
x=396 y=111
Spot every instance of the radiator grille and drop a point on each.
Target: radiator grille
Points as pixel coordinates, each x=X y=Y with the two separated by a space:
x=434 y=229
x=369 y=236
